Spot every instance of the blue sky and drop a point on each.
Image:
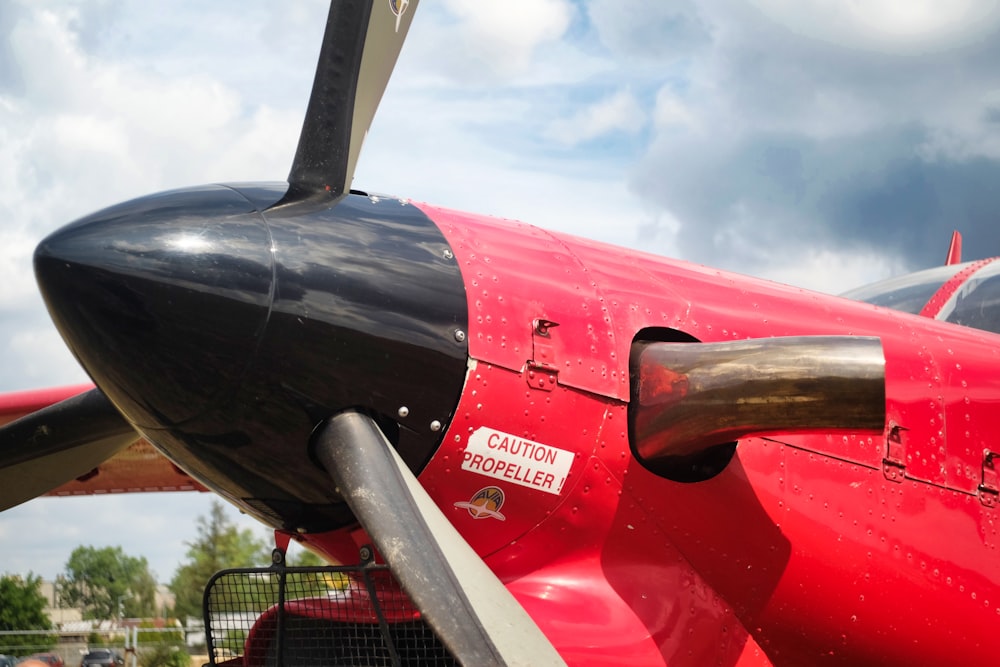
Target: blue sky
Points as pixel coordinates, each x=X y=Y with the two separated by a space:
x=816 y=143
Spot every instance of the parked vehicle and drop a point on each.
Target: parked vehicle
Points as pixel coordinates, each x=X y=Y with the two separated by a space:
x=103 y=657
x=52 y=659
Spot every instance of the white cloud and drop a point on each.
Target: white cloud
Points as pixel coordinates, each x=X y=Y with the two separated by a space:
x=770 y=128
x=672 y=113
x=965 y=128
x=893 y=26
x=15 y=274
x=502 y=37
x=618 y=112
x=831 y=271
x=155 y=526
x=87 y=128
x=655 y=30
x=45 y=50
x=39 y=358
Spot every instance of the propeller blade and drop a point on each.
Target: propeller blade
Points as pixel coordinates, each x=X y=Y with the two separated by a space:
x=471 y=611
x=57 y=444
x=690 y=398
x=360 y=47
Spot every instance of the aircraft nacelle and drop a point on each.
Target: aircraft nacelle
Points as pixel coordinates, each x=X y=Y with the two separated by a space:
x=504 y=355
x=258 y=321
x=805 y=540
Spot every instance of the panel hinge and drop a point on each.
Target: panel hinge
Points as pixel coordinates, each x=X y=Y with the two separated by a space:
x=989 y=488
x=894 y=463
x=541 y=371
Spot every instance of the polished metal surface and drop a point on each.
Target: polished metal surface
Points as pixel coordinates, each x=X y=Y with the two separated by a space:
x=689 y=398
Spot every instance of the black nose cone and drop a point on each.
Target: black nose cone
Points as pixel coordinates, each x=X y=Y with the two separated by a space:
x=226 y=324
x=184 y=276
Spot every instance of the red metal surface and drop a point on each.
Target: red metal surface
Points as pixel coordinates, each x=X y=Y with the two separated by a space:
x=954 y=255
x=515 y=274
x=944 y=293
x=18 y=404
x=354 y=605
x=801 y=548
x=137 y=468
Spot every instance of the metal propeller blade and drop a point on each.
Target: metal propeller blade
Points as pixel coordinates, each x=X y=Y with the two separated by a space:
x=470 y=609
x=57 y=444
x=360 y=47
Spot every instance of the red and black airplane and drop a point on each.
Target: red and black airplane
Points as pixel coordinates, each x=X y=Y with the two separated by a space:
x=564 y=451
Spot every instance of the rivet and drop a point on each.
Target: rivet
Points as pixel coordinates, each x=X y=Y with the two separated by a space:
x=435 y=426
x=459 y=335
x=403 y=411
x=448 y=253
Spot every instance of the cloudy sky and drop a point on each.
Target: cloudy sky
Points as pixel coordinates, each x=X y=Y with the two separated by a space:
x=824 y=144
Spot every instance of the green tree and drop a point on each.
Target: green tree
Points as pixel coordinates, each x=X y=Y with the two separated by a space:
x=105 y=582
x=220 y=544
x=162 y=647
x=22 y=607
x=306 y=558
x=164 y=654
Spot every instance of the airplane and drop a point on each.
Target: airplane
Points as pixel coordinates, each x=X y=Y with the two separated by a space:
x=563 y=451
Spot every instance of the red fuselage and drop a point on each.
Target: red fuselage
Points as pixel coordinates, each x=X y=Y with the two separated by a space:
x=824 y=547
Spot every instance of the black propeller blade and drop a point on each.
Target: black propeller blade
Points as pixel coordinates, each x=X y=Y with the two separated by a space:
x=57 y=444
x=469 y=608
x=362 y=42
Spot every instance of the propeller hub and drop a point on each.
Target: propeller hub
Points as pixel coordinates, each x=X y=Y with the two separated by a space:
x=162 y=299
x=226 y=323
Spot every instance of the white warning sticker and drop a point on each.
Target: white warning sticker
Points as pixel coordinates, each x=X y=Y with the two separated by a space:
x=509 y=458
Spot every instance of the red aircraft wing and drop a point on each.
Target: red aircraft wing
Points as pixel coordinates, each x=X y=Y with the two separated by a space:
x=137 y=467
x=22 y=403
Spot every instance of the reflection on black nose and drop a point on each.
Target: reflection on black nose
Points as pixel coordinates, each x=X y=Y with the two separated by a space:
x=226 y=328
x=162 y=299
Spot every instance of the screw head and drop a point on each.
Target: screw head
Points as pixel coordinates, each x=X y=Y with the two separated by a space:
x=459 y=335
x=435 y=426
x=403 y=412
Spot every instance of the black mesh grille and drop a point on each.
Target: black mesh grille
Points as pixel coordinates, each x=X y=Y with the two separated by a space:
x=315 y=616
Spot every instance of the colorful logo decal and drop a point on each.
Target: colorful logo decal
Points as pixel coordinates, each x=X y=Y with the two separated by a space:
x=509 y=458
x=398 y=8
x=485 y=504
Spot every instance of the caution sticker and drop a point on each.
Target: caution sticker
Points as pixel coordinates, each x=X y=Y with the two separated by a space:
x=511 y=459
